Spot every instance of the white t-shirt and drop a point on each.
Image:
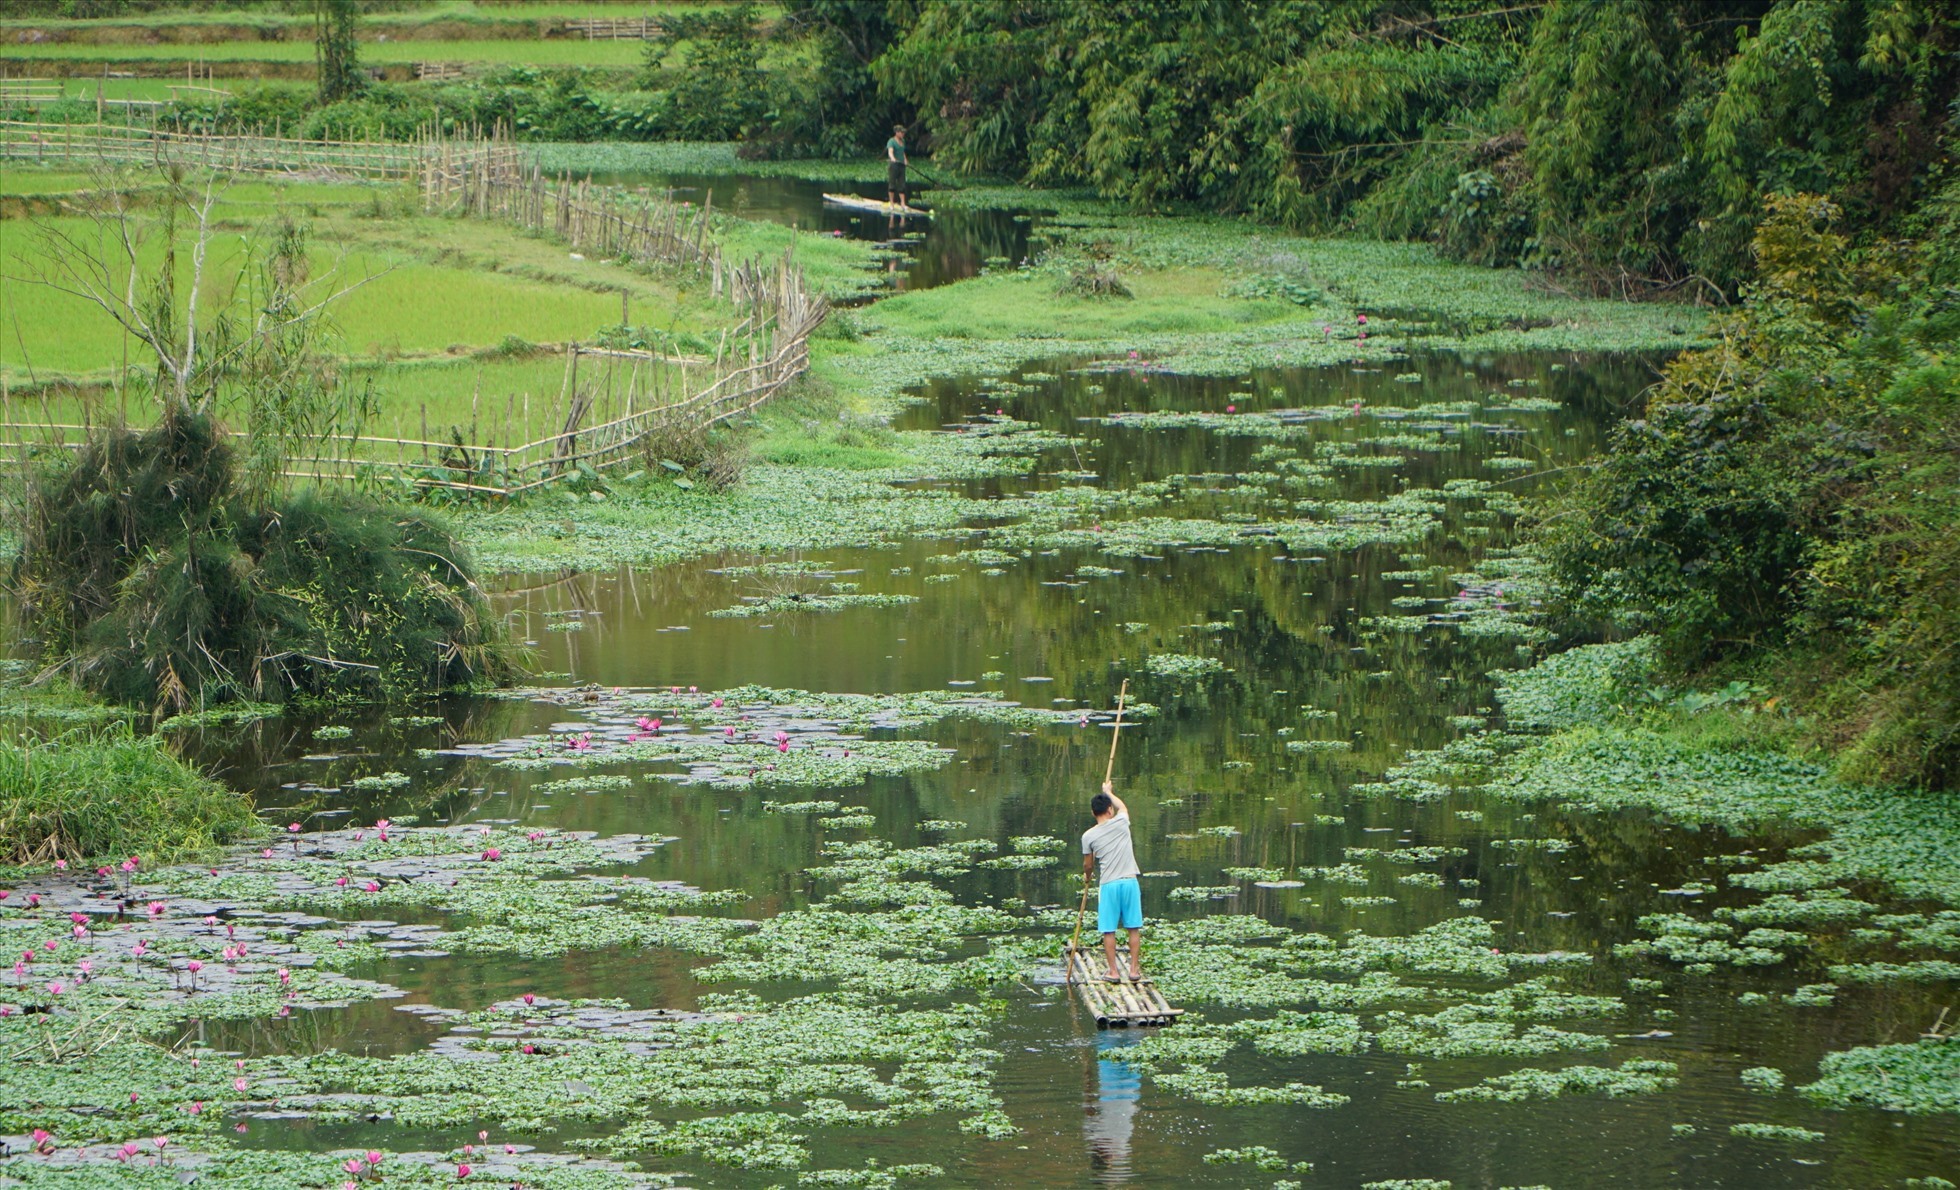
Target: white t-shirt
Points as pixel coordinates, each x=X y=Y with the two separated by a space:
x=1109 y=842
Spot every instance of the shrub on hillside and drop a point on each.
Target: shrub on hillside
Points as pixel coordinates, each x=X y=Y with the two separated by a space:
x=1786 y=504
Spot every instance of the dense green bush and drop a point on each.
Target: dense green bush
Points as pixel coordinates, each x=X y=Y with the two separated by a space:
x=1789 y=504
x=147 y=580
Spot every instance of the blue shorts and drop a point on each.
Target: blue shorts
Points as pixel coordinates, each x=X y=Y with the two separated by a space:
x=1119 y=906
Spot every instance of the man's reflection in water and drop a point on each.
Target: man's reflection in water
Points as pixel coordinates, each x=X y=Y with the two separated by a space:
x=1110 y=1106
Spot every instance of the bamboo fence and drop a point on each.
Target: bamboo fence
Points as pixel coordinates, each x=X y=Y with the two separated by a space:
x=595 y=425
x=137 y=144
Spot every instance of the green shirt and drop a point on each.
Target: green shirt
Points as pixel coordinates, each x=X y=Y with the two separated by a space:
x=896 y=148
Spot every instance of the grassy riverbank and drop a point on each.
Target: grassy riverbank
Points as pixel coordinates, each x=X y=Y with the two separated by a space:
x=109 y=793
x=1210 y=298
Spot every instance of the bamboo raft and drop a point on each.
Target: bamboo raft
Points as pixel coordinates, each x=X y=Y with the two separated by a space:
x=1131 y=1002
x=875 y=204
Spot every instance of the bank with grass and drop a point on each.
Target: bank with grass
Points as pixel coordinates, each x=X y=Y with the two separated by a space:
x=108 y=794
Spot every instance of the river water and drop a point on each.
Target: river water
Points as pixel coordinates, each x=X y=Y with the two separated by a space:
x=1313 y=642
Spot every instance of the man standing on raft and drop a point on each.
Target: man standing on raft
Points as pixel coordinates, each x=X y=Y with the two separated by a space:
x=895 y=167
x=1119 y=903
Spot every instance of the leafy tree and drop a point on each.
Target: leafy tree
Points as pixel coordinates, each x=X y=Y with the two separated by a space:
x=831 y=104
x=1790 y=501
x=337 y=49
x=721 y=91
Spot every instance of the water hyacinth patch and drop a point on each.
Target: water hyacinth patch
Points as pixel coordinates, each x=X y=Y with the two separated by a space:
x=1182 y=666
x=1643 y=1076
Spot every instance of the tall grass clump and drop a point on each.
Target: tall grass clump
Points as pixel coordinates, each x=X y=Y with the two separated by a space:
x=149 y=579
x=107 y=792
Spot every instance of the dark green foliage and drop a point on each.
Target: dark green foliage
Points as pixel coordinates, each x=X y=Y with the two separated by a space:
x=337 y=46
x=1790 y=502
x=109 y=793
x=154 y=585
x=720 y=92
x=1625 y=142
x=833 y=106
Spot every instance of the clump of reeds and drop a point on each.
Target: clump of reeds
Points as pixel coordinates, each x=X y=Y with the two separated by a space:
x=150 y=582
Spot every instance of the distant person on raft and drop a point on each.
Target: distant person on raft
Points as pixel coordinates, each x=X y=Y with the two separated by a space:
x=1119 y=903
x=895 y=167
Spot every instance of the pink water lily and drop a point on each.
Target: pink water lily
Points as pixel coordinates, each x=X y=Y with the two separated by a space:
x=42 y=1140
x=127 y=1151
x=530 y=998
x=492 y=853
x=193 y=966
x=370 y=886
x=156 y=908
x=140 y=949
x=341 y=881
x=239 y=1083
x=129 y=865
x=462 y=1171
x=352 y=1165
x=61 y=865
x=161 y=1142
x=716 y=703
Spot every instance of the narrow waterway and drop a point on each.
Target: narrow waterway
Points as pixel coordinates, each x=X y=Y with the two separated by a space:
x=1334 y=655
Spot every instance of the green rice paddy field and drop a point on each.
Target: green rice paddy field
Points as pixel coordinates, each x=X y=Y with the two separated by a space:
x=447 y=318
